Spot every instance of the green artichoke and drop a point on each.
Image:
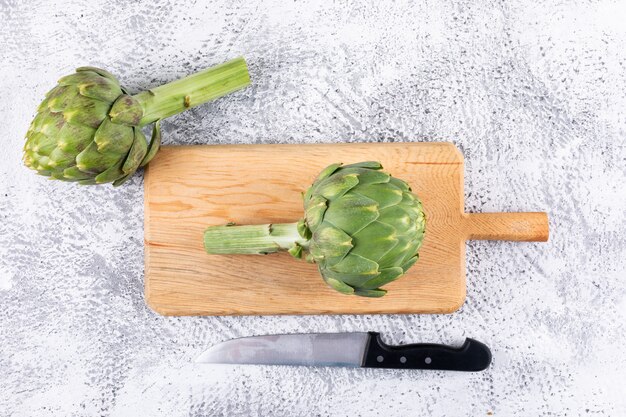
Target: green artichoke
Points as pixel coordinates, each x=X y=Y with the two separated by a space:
x=88 y=128
x=362 y=227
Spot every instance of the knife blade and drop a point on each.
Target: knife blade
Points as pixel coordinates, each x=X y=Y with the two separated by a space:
x=358 y=350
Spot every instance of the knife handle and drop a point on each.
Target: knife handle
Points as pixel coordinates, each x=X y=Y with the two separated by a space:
x=472 y=356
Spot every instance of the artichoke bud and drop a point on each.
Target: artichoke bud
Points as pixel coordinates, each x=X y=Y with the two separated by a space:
x=362 y=227
x=88 y=129
x=366 y=225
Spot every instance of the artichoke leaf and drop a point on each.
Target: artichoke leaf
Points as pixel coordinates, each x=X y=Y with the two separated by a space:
x=370 y=293
x=403 y=185
x=368 y=176
x=374 y=241
x=101 y=89
x=351 y=212
x=396 y=217
x=60 y=97
x=74 y=138
x=126 y=110
x=44 y=173
x=111 y=174
x=337 y=285
x=137 y=152
x=366 y=164
x=327 y=172
x=92 y=114
x=336 y=186
x=396 y=256
x=91 y=161
x=81 y=77
x=385 y=277
x=42 y=144
x=122 y=180
x=410 y=263
x=73 y=173
x=38 y=122
x=114 y=137
x=356 y=266
x=296 y=251
x=155 y=144
x=42 y=163
x=303 y=230
x=52 y=124
x=60 y=158
x=99 y=71
x=314 y=211
x=306 y=196
x=408 y=199
x=57 y=175
x=386 y=195
x=42 y=106
x=330 y=242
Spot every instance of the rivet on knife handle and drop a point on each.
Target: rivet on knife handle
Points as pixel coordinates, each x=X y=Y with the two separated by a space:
x=472 y=356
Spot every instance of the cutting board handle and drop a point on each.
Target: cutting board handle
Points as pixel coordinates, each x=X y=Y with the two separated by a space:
x=527 y=227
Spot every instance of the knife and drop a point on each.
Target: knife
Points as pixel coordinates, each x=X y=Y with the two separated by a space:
x=357 y=350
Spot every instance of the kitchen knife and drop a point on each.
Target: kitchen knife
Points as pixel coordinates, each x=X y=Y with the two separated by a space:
x=365 y=350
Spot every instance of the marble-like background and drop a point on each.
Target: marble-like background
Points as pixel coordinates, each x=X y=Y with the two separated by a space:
x=534 y=93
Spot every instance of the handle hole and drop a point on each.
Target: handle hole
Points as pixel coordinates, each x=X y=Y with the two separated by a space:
x=428 y=360
x=380 y=358
x=402 y=359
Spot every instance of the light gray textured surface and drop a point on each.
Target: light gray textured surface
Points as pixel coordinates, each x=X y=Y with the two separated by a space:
x=534 y=93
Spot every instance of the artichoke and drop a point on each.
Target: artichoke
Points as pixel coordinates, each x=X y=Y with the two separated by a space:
x=362 y=227
x=88 y=129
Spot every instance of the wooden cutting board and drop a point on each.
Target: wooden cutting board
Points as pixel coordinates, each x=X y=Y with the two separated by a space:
x=188 y=188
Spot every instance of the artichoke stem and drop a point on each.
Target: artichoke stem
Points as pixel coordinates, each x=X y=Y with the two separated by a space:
x=252 y=239
x=178 y=96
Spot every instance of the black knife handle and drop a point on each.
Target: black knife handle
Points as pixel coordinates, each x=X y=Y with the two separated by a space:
x=472 y=356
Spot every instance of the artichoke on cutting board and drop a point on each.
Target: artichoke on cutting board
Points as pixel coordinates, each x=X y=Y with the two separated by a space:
x=88 y=128
x=362 y=227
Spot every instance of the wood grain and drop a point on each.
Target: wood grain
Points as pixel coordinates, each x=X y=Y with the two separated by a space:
x=188 y=188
